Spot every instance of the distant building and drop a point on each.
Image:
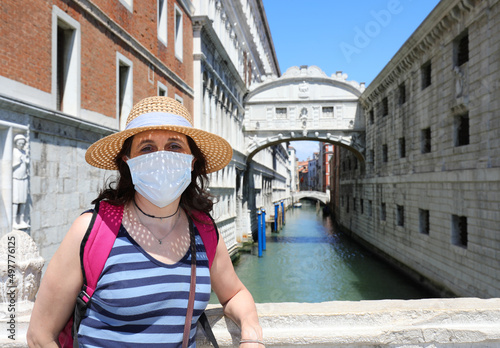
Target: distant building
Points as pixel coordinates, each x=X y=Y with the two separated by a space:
x=325 y=154
x=303 y=170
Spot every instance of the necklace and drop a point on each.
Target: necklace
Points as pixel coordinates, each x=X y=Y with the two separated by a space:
x=156 y=217
x=168 y=233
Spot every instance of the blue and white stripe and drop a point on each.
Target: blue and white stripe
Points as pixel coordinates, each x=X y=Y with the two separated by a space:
x=141 y=302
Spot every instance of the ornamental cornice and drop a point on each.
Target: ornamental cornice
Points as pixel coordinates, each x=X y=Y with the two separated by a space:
x=445 y=15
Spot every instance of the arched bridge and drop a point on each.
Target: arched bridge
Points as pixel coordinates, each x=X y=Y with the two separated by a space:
x=323 y=197
x=304 y=104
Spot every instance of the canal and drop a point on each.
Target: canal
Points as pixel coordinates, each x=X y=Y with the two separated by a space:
x=309 y=261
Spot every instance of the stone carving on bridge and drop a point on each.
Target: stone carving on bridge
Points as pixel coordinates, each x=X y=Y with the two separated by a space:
x=20 y=165
x=358 y=142
x=303 y=90
x=303 y=120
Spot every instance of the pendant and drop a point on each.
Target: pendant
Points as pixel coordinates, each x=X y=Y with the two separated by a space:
x=159 y=241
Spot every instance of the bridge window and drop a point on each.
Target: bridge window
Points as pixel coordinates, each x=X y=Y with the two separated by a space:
x=383 y=213
x=327 y=111
x=400 y=215
x=459 y=235
x=423 y=216
x=426 y=75
x=385 y=155
x=281 y=112
x=462 y=130
x=402 y=147
x=402 y=94
x=425 y=140
x=461 y=49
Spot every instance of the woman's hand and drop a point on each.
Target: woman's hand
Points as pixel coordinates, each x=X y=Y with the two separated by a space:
x=235 y=298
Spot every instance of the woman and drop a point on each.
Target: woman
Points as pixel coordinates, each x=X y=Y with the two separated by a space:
x=162 y=161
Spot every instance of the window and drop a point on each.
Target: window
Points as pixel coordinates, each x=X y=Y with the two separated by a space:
x=459 y=235
x=423 y=217
x=178 y=33
x=281 y=112
x=383 y=214
x=462 y=130
x=372 y=116
x=162 y=90
x=354 y=207
x=66 y=62
x=124 y=88
x=385 y=107
x=370 y=207
x=400 y=215
x=461 y=49
x=402 y=147
x=426 y=75
x=347 y=205
x=425 y=140
x=327 y=111
x=385 y=155
x=371 y=156
x=402 y=94
x=162 y=21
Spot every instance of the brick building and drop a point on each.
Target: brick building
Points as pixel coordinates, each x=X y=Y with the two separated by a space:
x=70 y=71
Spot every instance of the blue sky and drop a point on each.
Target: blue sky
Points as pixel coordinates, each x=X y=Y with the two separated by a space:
x=357 y=37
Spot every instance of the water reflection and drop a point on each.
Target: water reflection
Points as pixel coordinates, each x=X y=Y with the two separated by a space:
x=308 y=261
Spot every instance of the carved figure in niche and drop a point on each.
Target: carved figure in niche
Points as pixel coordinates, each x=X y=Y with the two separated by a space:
x=20 y=164
x=459 y=81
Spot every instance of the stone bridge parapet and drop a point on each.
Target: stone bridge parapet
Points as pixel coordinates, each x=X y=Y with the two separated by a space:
x=458 y=322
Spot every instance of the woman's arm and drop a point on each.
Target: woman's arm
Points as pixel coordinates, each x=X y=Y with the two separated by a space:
x=237 y=301
x=63 y=280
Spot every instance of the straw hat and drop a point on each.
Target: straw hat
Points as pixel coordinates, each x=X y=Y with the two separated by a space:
x=160 y=113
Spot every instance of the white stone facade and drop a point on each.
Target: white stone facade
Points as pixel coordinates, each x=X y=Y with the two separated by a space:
x=429 y=195
x=231 y=53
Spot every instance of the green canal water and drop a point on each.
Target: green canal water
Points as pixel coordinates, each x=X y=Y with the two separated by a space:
x=309 y=261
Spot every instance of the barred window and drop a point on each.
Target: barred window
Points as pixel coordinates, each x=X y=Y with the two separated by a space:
x=281 y=112
x=327 y=111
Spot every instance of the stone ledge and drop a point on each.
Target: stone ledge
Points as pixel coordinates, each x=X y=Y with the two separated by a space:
x=460 y=322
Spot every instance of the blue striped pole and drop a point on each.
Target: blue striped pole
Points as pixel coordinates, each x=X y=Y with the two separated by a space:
x=263 y=229
x=276 y=207
x=259 y=231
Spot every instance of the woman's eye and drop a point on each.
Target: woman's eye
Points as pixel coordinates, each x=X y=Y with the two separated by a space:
x=146 y=149
x=174 y=147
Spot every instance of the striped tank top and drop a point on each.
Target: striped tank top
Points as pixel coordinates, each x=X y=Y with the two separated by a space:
x=142 y=302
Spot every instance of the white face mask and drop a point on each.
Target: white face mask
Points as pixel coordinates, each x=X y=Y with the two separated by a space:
x=161 y=176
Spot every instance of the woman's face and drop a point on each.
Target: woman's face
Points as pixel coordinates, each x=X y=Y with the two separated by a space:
x=158 y=140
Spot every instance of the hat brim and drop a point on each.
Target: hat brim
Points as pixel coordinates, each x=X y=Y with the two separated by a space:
x=217 y=151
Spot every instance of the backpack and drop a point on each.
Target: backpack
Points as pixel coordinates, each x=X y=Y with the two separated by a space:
x=94 y=252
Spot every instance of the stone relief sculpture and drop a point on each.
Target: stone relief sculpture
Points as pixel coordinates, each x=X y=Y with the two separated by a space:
x=20 y=165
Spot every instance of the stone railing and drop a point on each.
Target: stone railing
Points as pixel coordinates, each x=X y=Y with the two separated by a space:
x=461 y=322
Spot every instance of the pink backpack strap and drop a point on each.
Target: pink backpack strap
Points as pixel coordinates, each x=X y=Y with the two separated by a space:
x=97 y=244
x=208 y=232
x=94 y=251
